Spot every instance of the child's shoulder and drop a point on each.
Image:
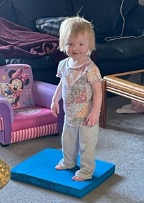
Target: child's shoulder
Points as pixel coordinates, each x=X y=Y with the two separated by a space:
x=92 y=66
x=64 y=61
x=62 y=65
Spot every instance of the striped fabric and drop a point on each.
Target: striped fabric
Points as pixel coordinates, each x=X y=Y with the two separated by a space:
x=50 y=25
x=30 y=133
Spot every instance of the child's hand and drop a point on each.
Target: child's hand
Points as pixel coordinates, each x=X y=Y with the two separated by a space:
x=55 y=108
x=92 y=119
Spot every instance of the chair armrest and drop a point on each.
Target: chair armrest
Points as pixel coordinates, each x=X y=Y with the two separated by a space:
x=7 y=114
x=8 y=108
x=43 y=93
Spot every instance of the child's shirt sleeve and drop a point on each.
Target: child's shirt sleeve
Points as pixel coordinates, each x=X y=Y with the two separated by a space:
x=59 y=75
x=93 y=75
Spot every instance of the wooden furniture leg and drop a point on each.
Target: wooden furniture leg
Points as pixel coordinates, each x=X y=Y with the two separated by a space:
x=103 y=106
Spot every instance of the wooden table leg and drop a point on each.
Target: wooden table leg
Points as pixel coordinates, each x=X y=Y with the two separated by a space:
x=103 y=106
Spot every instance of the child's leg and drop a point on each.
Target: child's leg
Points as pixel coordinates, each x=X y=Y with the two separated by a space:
x=88 y=137
x=70 y=148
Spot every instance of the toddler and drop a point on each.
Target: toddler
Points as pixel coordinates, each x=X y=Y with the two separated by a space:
x=80 y=89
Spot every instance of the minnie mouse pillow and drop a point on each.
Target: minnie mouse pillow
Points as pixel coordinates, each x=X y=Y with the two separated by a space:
x=16 y=84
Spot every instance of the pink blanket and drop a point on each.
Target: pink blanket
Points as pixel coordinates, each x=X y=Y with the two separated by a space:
x=17 y=41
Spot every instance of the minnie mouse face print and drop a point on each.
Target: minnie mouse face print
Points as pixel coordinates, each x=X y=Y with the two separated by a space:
x=14 y=88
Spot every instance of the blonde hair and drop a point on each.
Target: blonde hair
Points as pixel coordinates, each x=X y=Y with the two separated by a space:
x=72 y=27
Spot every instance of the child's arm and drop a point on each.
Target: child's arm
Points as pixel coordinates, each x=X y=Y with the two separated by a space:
x=93 y=117
x=55 y=100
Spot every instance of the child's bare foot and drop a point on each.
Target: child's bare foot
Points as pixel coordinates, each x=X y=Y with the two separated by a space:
x=58 y=167
x=77 y=178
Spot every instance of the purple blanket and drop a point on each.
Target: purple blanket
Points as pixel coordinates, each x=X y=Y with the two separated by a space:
x=17 y=41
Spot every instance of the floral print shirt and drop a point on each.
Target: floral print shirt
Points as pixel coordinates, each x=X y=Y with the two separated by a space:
x=77 y=91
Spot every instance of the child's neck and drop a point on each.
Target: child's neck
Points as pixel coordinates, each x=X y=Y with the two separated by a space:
x=74 y=63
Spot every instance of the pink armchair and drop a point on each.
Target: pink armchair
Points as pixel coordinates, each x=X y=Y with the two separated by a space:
x=25 y=106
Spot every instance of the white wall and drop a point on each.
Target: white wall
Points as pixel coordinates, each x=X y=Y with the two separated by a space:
x=141 y=2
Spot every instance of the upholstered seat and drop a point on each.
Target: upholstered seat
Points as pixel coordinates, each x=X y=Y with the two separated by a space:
x=24 y=105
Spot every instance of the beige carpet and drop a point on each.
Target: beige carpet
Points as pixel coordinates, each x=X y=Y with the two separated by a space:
x=122 y=143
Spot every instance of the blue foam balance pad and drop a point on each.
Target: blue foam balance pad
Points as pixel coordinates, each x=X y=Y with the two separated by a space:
x=39 y=170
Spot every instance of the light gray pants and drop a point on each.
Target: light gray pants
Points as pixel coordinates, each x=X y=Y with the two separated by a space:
x=83 y=139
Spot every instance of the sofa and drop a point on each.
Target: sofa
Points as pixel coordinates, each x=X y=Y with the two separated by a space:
x=118 y=25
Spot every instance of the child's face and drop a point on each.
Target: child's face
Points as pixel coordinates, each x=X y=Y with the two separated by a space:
x=77 y=47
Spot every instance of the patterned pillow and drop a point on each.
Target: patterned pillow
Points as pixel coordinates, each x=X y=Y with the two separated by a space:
x=49 y=25
x=16 y=82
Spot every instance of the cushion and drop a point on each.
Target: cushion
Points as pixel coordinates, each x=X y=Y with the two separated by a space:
x=50 y=25
x=16 y=82
x=32 y=116
x=105 y=15
x=6 y=10
x=128 y=6
x=111 y=50
x=28 y=11
x=39 y=170
x=134 y=25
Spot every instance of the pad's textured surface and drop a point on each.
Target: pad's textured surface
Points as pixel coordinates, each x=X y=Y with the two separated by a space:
x=39 y=170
